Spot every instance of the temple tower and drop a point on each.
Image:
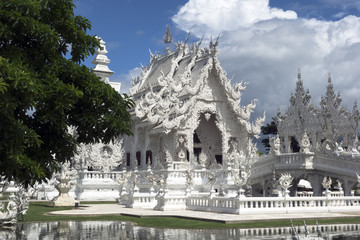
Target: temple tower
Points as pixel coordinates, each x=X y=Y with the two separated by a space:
x=101 y=69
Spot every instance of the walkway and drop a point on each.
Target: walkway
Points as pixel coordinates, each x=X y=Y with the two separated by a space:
x=115 y=209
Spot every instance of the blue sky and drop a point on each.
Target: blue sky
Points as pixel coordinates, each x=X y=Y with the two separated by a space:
x=261 y=42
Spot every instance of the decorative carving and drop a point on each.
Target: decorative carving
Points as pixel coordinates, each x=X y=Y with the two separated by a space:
x=164 y=105
x=65 y=182
x=17 y=204
x=235 y=156
x=181 y=146
x=275 y=145
x=326 y=183
x=211 y=176
x=324 y=124
x=189 y=177
x=305 y=144
x=285 y=182
x=202 y=160
x=106 y=157
x=242 y=177
x=157 y=180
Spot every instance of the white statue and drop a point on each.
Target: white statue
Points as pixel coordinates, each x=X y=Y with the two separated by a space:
x=241 y=178
x=211 y=176
x=275 y=145
x=285 y=182
x=106 y=157
x=305 y=143
x=189 y=177
x=326 y=183
x=18 y=204
x=66 y=179
x=202 y=160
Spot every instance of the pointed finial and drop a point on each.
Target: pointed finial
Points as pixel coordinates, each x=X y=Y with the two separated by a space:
x=217 y=40
x=167 y=37
x=299 y=74
x=187 y=38
x=329 y=78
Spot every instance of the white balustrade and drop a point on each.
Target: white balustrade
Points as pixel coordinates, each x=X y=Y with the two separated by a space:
x=253 y=205
x=100 y=175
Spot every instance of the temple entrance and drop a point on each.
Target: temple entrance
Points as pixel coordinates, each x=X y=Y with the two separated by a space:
x=207 y=141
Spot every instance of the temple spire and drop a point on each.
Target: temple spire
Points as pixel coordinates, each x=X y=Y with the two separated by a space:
x=101 y=61
x=167 y=37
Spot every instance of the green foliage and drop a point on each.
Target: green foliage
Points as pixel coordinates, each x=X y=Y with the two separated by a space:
x=44 y=88
x=268 y=129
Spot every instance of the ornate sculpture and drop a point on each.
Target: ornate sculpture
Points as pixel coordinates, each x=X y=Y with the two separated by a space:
x=275 y=145
x=202 y=159
x=18 y=204
x=235 y=157
x=324 y=124
x=326 y=183
x=65 y=178
x=241 y=178
x=164 y=106
x=157 y=180
x=211 y=176
x=181 y=147
x=285 y=182
x=123 y=180
x=189 y=177
x=106 y=157
x=305 y=144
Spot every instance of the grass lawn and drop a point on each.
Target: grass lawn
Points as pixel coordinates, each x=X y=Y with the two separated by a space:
x=38 y=209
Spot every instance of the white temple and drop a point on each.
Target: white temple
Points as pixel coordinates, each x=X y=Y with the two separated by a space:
x=312 y=143
x=194 y=140
x=193 y=144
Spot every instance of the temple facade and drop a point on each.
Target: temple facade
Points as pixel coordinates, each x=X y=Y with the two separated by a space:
x=187 y=111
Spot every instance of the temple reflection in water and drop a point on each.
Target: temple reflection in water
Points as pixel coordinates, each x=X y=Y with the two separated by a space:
x=126 y=230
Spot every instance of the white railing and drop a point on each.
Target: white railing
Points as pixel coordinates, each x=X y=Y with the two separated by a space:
x=253 y=205
x=305 y=194
x=99 y=175
x=215 y=204
x=141 y=200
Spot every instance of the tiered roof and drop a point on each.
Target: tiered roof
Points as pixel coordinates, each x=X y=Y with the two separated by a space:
x=172 y=83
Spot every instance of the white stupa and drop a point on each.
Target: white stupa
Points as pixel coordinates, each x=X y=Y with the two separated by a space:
x=101 y=69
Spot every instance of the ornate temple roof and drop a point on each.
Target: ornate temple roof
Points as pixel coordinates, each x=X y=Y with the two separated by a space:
x=329 y=123
x=171 y=84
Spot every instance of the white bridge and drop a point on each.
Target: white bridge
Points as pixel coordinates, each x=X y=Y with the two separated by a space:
x=313 y=167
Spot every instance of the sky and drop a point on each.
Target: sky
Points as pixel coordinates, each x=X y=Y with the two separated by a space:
x=261 y=42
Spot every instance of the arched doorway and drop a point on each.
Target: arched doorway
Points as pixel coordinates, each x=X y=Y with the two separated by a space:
x=207 y=141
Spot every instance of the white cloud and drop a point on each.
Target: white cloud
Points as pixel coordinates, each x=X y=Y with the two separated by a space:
x=213 y=16
x=125 y=79
x=266 y=46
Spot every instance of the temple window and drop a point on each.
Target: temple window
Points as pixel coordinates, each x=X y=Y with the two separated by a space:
x=197 y=152
x=196 y=138
x=138 y=157
x=128 y=159
x=219 y=159
x=148 y=157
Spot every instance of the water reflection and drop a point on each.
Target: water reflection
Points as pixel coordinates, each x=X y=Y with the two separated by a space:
x=124 y=230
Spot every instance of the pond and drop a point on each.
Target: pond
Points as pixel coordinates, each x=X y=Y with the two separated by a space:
x=124 y=230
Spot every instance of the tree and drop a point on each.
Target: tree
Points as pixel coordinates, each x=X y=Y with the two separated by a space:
x=44 y=89
x=269 y=129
